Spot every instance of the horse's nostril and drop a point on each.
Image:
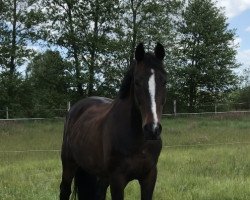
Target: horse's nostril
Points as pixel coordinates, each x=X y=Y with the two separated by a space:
x=152 y=130
x=159 y=128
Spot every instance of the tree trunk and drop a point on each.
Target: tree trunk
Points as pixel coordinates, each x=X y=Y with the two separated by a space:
x=193 y=77
x=75 y=53
x=192 y=96
x=13 y=40
x=134 y=34
x=12 y=64
x=93 y=51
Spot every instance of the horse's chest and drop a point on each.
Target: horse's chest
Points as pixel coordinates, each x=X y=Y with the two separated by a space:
x=140 y=164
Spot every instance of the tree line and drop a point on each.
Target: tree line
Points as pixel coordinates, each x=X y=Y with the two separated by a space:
x=95 y=42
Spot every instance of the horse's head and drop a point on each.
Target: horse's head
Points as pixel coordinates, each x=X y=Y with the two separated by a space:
x=150 y=88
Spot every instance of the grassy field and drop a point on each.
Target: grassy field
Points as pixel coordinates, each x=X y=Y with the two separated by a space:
x=203 y=159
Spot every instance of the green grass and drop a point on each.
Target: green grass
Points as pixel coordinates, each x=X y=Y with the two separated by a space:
x=189 y=168
x=30 y=175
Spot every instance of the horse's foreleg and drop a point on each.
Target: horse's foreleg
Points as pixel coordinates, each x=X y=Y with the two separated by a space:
x=67 y=177
x=147 y=184
x=117 y=185
x=102 y=187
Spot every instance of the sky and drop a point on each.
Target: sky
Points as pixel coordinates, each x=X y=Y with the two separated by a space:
x=238 y=14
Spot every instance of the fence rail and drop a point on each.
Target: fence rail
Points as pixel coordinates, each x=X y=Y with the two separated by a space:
x=207 y=113
x=164 y=115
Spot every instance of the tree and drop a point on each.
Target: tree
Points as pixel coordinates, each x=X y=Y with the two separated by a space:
x=241 y=97
x=244 y=96
x=206 y=54
x=50 y=78
x=140 y=21
x=247 y=76
x=61 y=30
x=100 y=36
x=82 y=28
x=18 y=20
x=145 y=21
x=19 y=103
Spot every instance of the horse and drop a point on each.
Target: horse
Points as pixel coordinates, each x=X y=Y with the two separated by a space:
x=108 y=143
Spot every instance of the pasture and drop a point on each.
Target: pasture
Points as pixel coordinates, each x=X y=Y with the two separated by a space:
x=203 y=158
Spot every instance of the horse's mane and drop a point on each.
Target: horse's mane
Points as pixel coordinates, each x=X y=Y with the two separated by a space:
x=126 y=82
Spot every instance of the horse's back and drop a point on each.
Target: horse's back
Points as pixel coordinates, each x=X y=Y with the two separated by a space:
x=81 y=106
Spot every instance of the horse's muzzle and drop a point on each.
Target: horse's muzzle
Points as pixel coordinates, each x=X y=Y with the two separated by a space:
x=152 y=131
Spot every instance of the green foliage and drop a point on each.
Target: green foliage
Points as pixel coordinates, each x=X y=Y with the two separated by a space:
x=97 y=41
x=49 y=77
x=206 y=53
x=100 y=36
x=14 y=94
x=18 y=26
x=83 y=28
x=243 y=96
x=246 y=77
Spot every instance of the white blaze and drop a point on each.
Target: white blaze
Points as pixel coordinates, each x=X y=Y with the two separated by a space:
x=151 y=89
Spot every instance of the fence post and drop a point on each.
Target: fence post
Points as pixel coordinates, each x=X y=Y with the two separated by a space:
x=68 y=106
x=7 y=113
x=174 y=107
x=215 y=108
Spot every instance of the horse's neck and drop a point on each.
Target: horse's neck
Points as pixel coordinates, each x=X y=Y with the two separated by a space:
x=130 y=113
x=128 y=134
x=136 y=119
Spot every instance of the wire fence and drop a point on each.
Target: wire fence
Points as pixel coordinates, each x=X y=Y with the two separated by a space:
x=208 y=108
x=165 y=146
x=40 y=113
x=31 y=151
x=216 y=111
x=8 y=116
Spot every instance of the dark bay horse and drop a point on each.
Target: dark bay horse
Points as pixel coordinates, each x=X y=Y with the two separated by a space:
x=111 y=142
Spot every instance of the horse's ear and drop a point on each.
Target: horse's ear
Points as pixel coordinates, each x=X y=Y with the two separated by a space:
x=159 y=51
x=139 y=52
